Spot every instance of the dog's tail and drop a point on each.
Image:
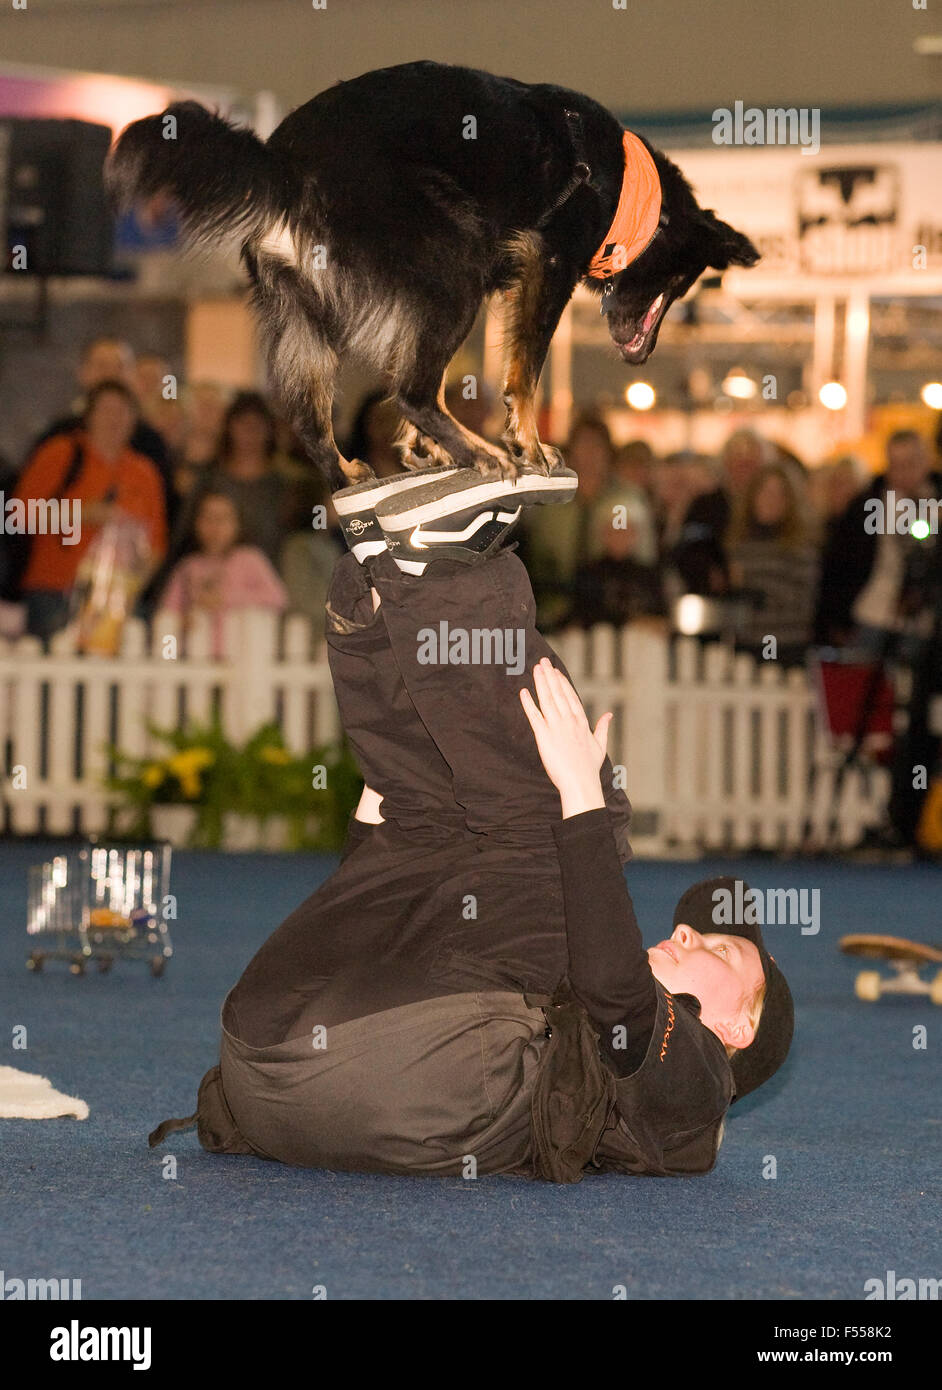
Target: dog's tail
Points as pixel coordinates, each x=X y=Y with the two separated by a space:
x=222 y=180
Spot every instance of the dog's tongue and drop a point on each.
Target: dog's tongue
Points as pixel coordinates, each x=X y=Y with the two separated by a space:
x=651 y=314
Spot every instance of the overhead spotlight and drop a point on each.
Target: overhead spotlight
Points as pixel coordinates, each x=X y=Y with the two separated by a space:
x=640 y=395
x=740 y=386
x=832 y=395
x=931 y=395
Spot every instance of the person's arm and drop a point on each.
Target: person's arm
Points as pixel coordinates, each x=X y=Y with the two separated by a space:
x=141 y=495
x=608 y=967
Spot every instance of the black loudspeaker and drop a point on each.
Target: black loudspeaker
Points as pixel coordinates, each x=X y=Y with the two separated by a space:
x=52 y=198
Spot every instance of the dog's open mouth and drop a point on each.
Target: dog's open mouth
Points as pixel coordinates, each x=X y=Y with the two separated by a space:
x=636 y=349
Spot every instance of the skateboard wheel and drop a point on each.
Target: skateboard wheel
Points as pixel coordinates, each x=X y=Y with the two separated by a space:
x=35 y=961
x=77 y=967
x=867 y=985
x=935 y=989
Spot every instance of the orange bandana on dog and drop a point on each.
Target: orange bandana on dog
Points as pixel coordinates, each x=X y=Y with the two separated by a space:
x=637 y=214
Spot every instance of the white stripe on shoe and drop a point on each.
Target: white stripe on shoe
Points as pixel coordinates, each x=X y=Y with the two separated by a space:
x=350 y=500
x=366 y=548
x=421 y=539
x=477 y=496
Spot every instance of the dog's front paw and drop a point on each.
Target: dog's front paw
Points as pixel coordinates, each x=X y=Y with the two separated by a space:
x=542 y=459
x=356 y=471
x=554 y=459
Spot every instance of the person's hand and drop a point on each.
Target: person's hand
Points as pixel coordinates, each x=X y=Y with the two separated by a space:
x=570 y=750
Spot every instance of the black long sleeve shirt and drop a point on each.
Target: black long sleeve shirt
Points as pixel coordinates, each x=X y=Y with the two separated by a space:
x=609 y=971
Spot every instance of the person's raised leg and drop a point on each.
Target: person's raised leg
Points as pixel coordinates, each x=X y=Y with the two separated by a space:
x=396 y=754
x=465 y=641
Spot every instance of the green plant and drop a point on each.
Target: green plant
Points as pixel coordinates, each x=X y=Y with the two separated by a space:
x=314 y=792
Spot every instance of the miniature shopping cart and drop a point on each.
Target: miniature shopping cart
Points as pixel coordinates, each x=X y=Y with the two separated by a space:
x=100 y=903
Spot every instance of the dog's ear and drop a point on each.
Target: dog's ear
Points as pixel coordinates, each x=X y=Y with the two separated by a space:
x=727 y=246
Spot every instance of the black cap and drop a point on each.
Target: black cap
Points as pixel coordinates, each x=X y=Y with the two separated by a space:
x=769 y=1048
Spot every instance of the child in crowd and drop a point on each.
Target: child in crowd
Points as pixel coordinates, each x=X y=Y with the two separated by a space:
x=222 y=573
x=773 y=551
x=617 y=587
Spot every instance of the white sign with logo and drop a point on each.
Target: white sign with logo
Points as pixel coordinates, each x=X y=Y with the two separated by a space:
x=850 y=217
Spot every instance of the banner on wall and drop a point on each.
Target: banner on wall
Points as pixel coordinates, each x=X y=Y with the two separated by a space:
x=855 y=213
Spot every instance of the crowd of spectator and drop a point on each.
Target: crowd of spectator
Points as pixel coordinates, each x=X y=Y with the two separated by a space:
x=781 y=548
x=234 y=516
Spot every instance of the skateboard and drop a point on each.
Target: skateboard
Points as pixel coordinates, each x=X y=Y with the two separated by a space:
x=906 y=958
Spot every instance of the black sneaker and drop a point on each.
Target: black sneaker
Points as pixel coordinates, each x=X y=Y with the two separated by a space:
x=355 y=507
x=462 y=516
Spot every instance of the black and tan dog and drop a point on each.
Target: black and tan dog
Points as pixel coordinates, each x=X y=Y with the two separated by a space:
x=378 y=216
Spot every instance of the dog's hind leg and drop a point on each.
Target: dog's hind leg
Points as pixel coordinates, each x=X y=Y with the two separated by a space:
x=418 y=451
x=304 y=365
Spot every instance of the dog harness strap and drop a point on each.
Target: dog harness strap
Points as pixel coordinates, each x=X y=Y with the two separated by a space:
x=637 y=215
x=582 y=172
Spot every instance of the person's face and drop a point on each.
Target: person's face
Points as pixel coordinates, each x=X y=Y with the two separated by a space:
x=907 y=468
x=107 y=361
x=149 y=376
x=634 y=470
x=111 y=423
x=723 y=972
x=770 y=503
x=671 y=485
x=742 y=459
x=217 y=526
x=249 y=432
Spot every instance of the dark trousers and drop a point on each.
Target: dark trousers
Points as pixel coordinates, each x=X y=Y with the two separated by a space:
x=459 y=888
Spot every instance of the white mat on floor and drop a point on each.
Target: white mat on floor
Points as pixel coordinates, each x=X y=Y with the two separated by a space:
x=24 y=1096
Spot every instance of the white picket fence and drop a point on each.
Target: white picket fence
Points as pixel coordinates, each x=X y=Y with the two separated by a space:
x=717 y=748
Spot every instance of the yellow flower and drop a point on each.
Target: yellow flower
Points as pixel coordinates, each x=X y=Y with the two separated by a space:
x=190 y=786
x=279 y=756
x=186 y=767
x=153 y=775
x=190 y=761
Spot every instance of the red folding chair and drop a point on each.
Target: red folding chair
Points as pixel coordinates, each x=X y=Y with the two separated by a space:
x=855 y=704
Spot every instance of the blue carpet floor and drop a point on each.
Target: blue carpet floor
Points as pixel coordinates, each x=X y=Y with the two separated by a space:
x=854 y=1122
